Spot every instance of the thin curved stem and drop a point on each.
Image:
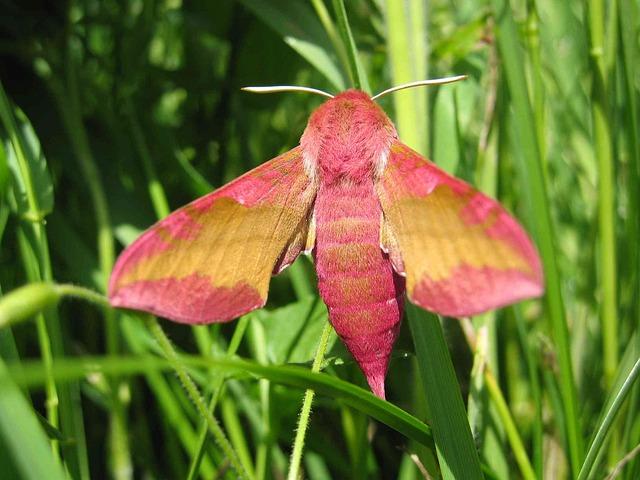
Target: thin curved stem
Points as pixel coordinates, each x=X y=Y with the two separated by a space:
x=510 y=427
x=194 y=394
x=238 y=335
x=76 y=291
x=305 y=411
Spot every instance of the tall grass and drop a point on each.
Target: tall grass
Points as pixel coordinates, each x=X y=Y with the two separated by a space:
x=113 y=114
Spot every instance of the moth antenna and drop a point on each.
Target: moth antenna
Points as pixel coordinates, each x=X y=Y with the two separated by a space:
x=286 y=88
x=420 y=83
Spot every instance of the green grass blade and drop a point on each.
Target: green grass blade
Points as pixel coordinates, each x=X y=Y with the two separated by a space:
x=23 y=436
x=4 y=175
x=509 y=425
x=454 y=443
x=154 y=186
x=31 y=374
x=67 y=94
x=356 y=72
x=630 y=289
x=446 y=140
x=299 y=29
x=606 y=198
x=407 y=44
x=332 y=31
x=618 y=395
x=32 y=188
x=540 y=217
x=631 y=53
x=33 y=193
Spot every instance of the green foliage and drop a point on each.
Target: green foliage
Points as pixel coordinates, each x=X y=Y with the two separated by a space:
x=122 y=111
x=25 y=450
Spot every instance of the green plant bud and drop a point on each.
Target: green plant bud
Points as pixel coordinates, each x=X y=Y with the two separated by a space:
x=27 y=301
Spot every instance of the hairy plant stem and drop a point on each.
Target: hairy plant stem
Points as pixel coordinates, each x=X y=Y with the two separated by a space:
x=237 y=337
x=193 y=392
x=305 y=411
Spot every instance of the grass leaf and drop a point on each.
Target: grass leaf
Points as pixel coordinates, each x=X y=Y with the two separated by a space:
x=300 y=29
x=23 y=436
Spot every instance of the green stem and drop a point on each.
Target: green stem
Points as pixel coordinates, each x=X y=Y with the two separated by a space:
x=533 y=46
x=536 y=395
x=606 y=196
x=194 y=394
x=509 y=425
x=356 y=72
x=611 y=414
x=305 y=411
x=237 y=337
x=76 y=291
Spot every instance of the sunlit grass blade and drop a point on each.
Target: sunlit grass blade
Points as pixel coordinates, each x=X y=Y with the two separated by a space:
x=407 y=44
x=31 y=374
x=454 y=444
x=602 y=139
x=532 y=366
x=332 y=31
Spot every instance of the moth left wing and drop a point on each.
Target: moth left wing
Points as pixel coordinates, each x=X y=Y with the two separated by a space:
x=212 y=259
x=461 y=252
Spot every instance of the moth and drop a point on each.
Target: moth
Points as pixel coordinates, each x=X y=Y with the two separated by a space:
x=379 y=220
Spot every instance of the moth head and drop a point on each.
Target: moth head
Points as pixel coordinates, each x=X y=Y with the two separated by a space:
x=348 y=122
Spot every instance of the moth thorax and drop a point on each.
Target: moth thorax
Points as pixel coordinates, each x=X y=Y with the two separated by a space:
x=348 y=136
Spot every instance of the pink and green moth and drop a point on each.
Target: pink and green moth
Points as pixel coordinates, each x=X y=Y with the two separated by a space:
x=379 y=219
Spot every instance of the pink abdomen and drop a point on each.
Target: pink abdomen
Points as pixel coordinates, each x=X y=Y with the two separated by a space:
x=355 y=277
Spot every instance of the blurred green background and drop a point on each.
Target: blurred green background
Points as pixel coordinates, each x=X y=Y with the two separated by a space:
x=113 y=113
